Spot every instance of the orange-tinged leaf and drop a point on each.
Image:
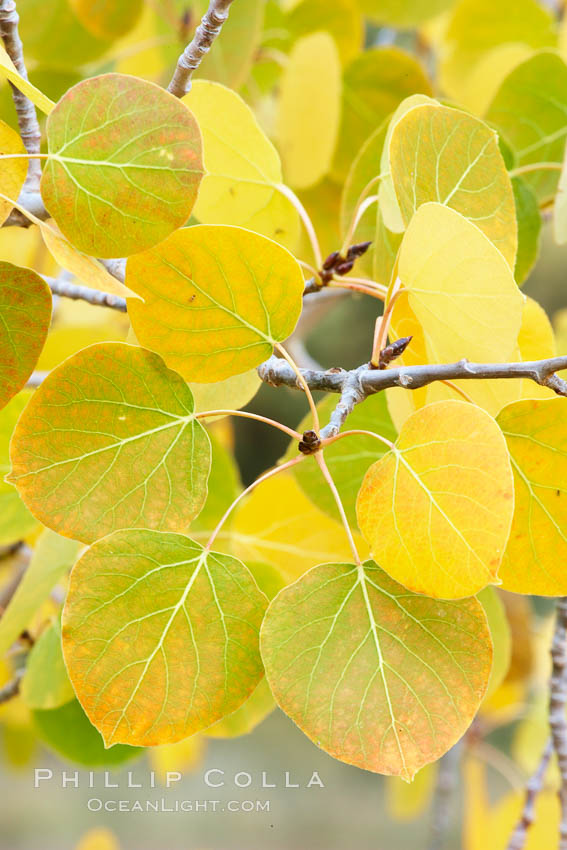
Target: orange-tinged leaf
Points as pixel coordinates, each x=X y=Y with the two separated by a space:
x=447 y=156
x=25 y=314
x=243 y=721
x=12 y=171
x=378 y=677
x=536 y=433
x=165 y=640
x=110 y=441
x=107 y=18
x=216 y=300
x=436 y=509
x=124 y=165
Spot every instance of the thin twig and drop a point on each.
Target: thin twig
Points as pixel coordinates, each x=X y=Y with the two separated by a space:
x=27 y=117
x=209 y=28
x=12 y=688
x=557 y=708
x=534 y=785
x=84 y=293
x=447 y=780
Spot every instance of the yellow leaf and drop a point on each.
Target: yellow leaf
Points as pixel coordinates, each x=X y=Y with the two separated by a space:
x=107 y=18
x=9 y=70
x=421 y=506
x=184 y=756
x=488 y=74
x=377 y=676
x=302 y=536
x=406 y=14
x=536 y=434
x=475 y=27
x=179 y=625
x=447 y=156
x=216 y=300
x=407 y=801
x=98 y=838
x=340 y=18
x=12 y=171
x=308 y=117
x=243 y=168
x=245 y=719
x=501 y=637
x=536 y=342
x=231 y=394
x=461 y=292
x=16 y=522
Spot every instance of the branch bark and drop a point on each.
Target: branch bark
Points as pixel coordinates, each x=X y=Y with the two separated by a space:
x=557 y=708
x=205 y=34
x=357 y=384
x=447 y=781
x=60 y=286
x=27 y=117
x=535 y=784
x=12 y=688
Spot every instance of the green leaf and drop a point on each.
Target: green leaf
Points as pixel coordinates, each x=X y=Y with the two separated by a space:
x=216 y=300
x=165 y=640
x=231 y=59
x=501 y=637
x=243 y=167
x=16 y=522
x=46 y=684
x=124 y=165
x=375 y=675
x=340 y=18
x=110 y=441
x=53 y=36
x=373 y=85
x=348 y=459
x=529 y=228
x=53 y=556
x=560 y=208
x=25 y=314
x=223 y=488
x=529 y=109
x=403 y=15
x=444 y=155
x=68 y=732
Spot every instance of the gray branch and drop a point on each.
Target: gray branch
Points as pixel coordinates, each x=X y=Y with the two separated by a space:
x=27 y=117
x=61 y=286
x=447 y=782
x=357 y=384
x=534 y=786
x=205 y=34
x=557 y=708
x=12 y=688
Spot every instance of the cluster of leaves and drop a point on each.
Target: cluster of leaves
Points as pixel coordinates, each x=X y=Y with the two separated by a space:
x=382 y=660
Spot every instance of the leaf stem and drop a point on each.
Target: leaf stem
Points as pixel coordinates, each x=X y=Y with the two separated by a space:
x=381 y=336
x=329 y=479
x=303 y=383
x=304 y=216
x=535 y=166
x=359 y=211
x=275 y=471
x=295 y=435
x=459 y=391
x=350 y=283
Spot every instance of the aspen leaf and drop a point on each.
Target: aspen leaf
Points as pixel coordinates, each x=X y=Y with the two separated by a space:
x=216 y=300
x=529 y=109
x=88 y=270
x=10 y=72
x=16 y=522
x=406 y=801
x=231 y=394
x=245 y=719
x=68 y=732
x=46 y=684
x=373 y=85
x=12 y=171
x=444 y=155
x=53 y=35
x=231 y=60
x=529 y=228
x=488 y=74
x=53 y=556
x=560 y=207
x=25 y=313
x=376 y=676
x=184 y=756
x=475 y=27
x=501 y=638
x=535 y=342
x=243 y=167
x=406 y=14
x=536 y=435
x=347 y=459
x=165 y=643
x=460 y=288
x=107 y=19
x=223 y=488
x=308 y=115
x=109 y=441
x=124 y=165
x=436 y=509
x=301 y=536
x=340 y=18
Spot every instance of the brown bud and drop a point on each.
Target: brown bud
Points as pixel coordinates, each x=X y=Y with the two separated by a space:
x=395 y=349
x=344 y=267
x=331 y=261
x=356 y=251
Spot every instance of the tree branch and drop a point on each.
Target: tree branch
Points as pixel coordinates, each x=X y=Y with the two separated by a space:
x=12 y=688
x=557 y=708
x=447 y=781
x=209 y=28
x=62 y=287
x=533 y=787
x=27 y=117
x=357 y=384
